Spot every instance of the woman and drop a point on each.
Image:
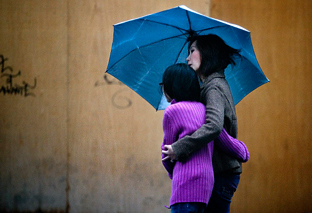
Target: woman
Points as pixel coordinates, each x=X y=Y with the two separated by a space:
x=193 y=180
x=209 y=56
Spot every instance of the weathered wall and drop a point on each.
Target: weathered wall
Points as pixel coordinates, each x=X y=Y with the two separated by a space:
x=33 y=125
x=275 y=119
x=72 y=141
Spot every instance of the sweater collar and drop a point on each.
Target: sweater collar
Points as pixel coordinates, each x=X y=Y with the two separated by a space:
x=173 y=101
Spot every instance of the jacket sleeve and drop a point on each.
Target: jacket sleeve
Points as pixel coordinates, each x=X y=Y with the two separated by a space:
x=232 y=146
x=215 y=104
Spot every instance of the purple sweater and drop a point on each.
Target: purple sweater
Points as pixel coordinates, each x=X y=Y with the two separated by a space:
x=193 y=180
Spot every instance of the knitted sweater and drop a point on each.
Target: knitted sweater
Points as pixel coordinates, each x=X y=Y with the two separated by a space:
x=193 y=180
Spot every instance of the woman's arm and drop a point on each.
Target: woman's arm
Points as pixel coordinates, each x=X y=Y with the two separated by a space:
x=208 y=132
x=232 y=146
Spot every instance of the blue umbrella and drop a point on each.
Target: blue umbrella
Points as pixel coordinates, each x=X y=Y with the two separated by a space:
x=144 y=47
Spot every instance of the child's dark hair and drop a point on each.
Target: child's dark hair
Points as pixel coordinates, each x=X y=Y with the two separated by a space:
x=216 y=54
x=180 y=82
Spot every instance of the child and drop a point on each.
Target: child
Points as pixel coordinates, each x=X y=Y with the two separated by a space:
x=193 y=180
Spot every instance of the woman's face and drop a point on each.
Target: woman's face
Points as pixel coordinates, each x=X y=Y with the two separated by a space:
x=194 y=58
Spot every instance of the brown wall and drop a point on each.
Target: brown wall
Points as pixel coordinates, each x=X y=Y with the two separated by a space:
x=275 y=119
x=79 y=143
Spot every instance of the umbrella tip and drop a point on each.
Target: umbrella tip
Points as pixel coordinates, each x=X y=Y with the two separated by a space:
x=192 y=34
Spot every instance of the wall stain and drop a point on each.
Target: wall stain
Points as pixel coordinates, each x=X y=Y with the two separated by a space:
x=119 y=99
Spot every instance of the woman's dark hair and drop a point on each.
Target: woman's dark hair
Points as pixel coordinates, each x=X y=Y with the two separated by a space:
x=180 y=82
x=216 y=54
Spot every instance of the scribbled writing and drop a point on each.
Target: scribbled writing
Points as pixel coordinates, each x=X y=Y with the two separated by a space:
x=108 y=81
x=119 y=99
x=10 y=87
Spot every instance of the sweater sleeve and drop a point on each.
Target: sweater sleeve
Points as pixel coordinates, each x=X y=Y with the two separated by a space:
x=232 y=146
x=170 y=134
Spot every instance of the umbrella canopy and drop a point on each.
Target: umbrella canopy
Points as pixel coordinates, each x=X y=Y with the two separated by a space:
x=144 y=47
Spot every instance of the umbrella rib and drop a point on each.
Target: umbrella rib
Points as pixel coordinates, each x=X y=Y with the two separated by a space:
x=190 y=30
x=179 y=28
x=190 y=24
x=180 y=52
x=186 y=31
x=209 y=28
x=148 y=45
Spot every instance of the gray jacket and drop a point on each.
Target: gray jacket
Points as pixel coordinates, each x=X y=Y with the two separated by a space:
x=220 y=112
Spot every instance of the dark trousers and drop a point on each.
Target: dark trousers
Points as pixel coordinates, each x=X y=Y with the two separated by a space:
x=223 y=191
x=188 y=208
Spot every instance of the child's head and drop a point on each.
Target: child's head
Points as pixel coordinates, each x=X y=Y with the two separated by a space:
x=180 y=83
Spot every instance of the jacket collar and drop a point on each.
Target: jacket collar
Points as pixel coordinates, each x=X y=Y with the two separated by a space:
x=218 y=74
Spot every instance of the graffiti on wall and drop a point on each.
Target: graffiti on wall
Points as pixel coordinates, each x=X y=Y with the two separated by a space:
x=9 y=86
x=119 y=99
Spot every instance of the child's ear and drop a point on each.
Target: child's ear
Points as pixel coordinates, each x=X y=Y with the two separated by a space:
x=169 y=99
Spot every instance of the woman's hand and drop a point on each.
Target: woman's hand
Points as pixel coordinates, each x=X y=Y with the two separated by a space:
x=169 y=152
